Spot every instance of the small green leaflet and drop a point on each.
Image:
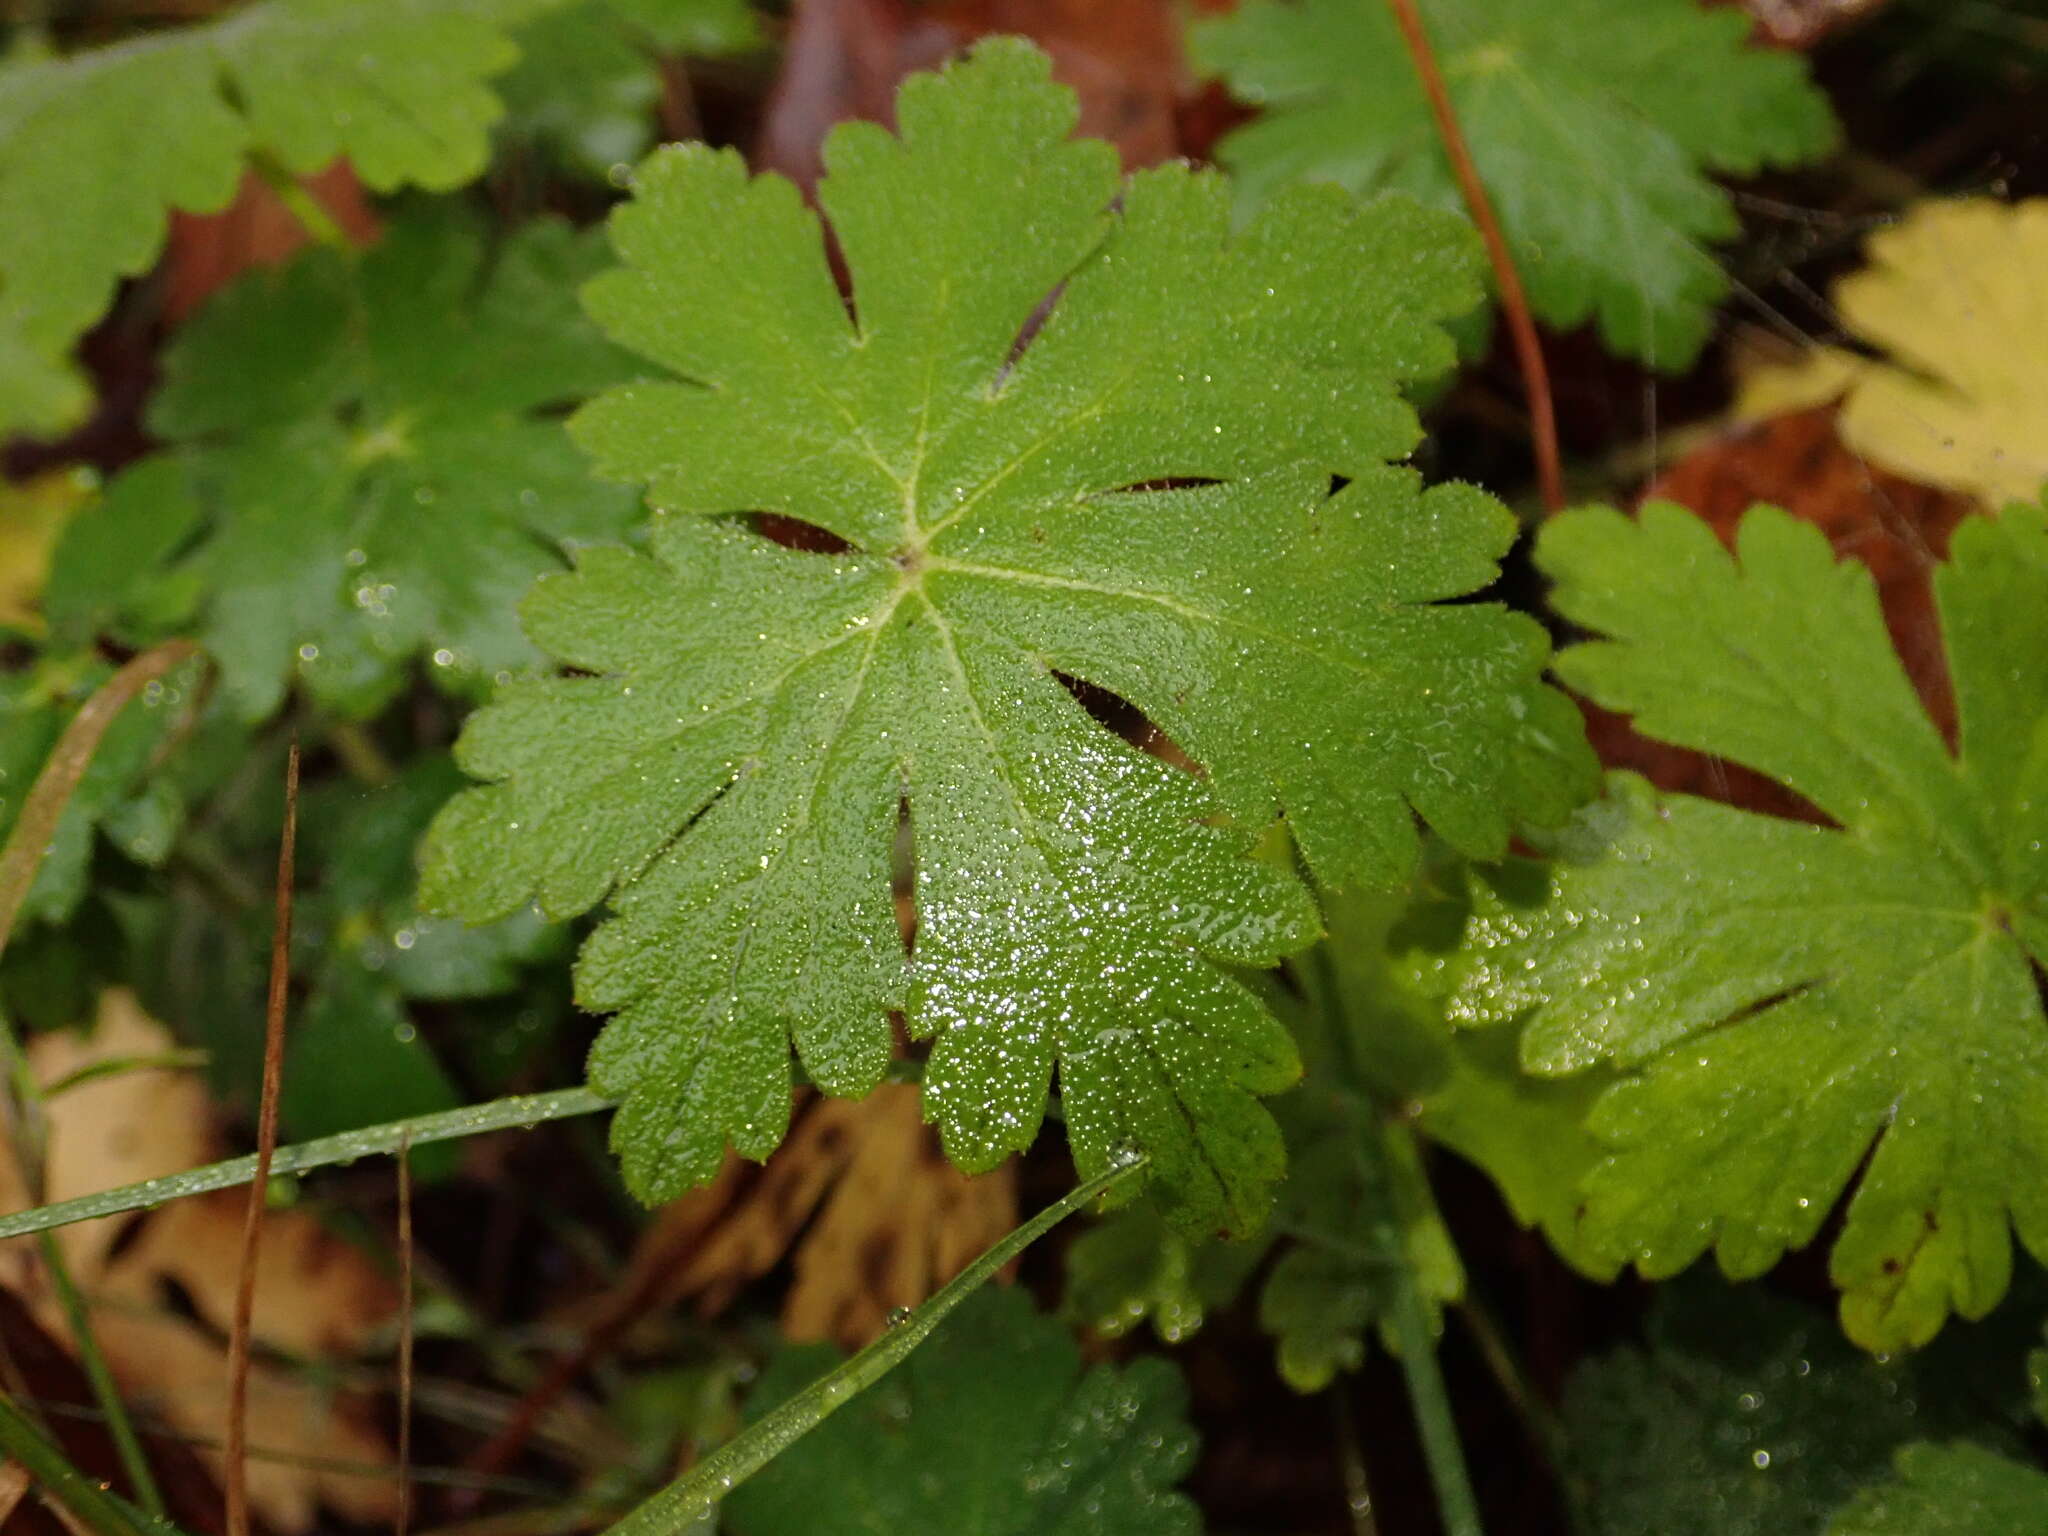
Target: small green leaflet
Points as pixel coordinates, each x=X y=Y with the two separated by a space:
x=97 y=148
x=355 y=1057
x=1955 y=1489
x=731 y=769
x=116 y=796
x=1592 y=123
x=991 y=1429
x=1950 y=1490
x=1384 y=1076
x=1746 y=1414
x=1131 y=1266
x=588 y=85
x=1798 y=1002
x=366 y=442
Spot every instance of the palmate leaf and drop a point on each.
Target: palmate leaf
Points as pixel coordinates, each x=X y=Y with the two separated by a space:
x=1746 y=1414
x=368 y=449
x=733 y=767
x=588 y=81
x=992 y=1429
x=116 y=796
x=1799 y=1001
x=1949 y=1490
x=97 y=148
x=1384 y=1075
x=1593 y=124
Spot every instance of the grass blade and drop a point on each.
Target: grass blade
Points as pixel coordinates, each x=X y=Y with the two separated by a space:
x=691 y=1497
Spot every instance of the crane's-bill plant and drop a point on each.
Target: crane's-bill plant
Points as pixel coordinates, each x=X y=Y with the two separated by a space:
x=1069 y=426
x=995 y=1415
x=990 y=607
x=1803 y=1005
x=1594 y=124
x=1386 y=1079
x=363 y=472
x=97 y=148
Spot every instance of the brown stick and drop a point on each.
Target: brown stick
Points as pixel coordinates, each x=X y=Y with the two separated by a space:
x=52 y=791
x=1514 y=302
x=404 y=1516
x=237 y=1448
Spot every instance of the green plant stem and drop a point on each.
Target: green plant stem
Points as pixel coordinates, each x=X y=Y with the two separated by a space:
x=180 y=1060
x=302 y=205
x=22 y=858
x=1432 y=1407
x=693 y=1495
x=86 y=1500
x=1431 y=1404
x=27 y=1130
x=443 y=1125
x=105 y=1390
x=1507 y=280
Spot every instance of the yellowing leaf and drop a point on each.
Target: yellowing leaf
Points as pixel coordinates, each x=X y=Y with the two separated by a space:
x=32 y=514
x=1953 y=297
x=318 y=1296
x=874 y=1216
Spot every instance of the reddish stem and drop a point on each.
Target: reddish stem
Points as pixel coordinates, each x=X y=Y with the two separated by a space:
x=403 y=1520
x=44 y=807
x=1513 y=302
x=237 y=1448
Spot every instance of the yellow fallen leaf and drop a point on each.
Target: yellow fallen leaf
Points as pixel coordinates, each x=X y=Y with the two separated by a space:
x=317 y=1296
x=32 y=514
x=1956 y=298
x=861 y=1195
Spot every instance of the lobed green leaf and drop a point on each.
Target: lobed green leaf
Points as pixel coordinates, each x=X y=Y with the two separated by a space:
x=1803 y=1005
x=97 y=148
x=992 y=1429
x=1592 y=123
x=998 y=438
x=364 y=468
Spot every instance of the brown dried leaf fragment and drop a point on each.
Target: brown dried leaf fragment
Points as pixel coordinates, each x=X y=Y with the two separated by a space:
x=876 y=1219
x=320 y=1297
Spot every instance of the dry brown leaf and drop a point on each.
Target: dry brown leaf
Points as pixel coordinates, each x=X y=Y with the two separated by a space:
x=844 y=59
x=317 y=1296
x=1898 y=529
x=1953 y=299
x=210 y=250
x=875 y=1215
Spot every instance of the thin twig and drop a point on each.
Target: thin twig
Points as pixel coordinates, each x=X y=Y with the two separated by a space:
x=1514 y=302
x=404 y=1515
x=266 y=1147
x=360 y=754
x=44 y=807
